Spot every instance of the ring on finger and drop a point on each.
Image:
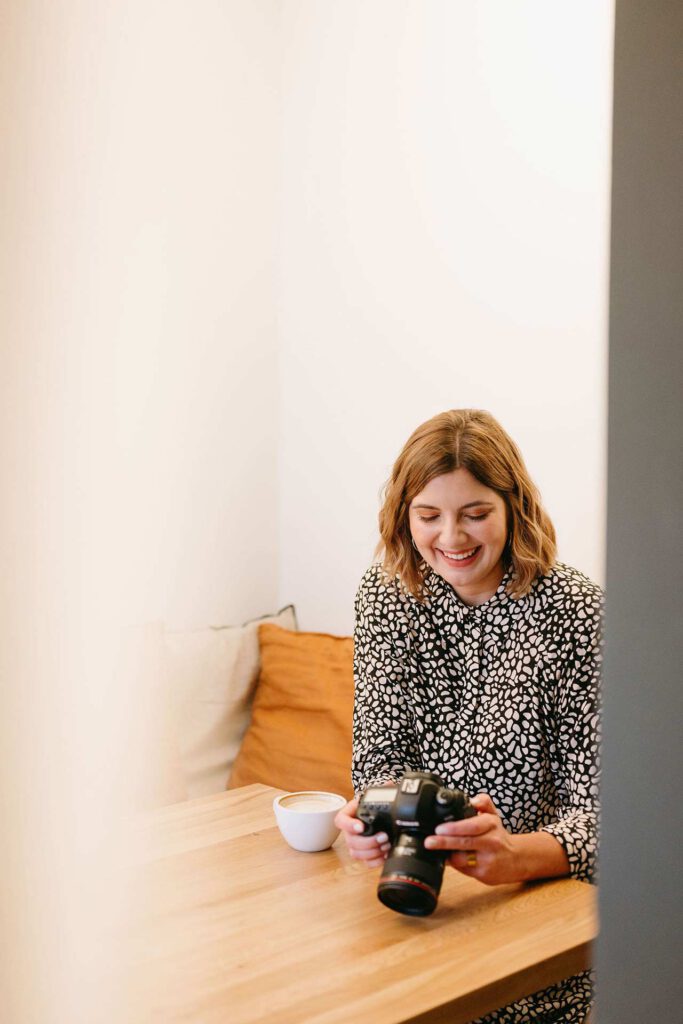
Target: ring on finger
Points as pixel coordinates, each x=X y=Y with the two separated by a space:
x=471 y=859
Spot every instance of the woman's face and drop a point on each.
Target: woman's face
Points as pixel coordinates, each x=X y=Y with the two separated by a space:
x=460 y=529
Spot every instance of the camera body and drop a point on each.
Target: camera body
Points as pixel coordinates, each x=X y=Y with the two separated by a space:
x=408 y=812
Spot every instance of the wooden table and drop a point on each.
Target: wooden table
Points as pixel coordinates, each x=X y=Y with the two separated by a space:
x=240 y=928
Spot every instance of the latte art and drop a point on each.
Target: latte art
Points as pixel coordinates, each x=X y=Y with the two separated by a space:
x=308 y=804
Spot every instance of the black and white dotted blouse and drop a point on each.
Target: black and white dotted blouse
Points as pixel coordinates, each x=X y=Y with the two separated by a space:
x=501 y=698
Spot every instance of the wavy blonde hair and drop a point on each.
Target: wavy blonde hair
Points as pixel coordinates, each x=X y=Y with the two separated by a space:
x=473 y=439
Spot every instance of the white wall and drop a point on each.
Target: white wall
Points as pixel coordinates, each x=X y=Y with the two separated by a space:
x=444 y=243
x=193 y=133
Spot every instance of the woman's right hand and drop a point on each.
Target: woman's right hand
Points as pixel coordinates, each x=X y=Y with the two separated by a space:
x=371 y=850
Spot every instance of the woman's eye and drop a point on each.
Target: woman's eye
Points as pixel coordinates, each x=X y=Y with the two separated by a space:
x=482 y=516
x=427 y=519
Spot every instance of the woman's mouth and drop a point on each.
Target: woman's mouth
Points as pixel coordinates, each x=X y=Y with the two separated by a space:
x=460 y=558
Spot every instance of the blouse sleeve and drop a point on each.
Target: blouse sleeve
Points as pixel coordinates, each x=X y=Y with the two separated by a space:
x=578 y=735
x=384 y=745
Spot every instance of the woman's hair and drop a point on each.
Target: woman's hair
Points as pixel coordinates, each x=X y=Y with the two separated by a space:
x=474 y=440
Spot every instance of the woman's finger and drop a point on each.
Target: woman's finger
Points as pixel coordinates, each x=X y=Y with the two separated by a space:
x=468 y=826
x=483 y=803
x=346 y=819
x=378 y=863
x=455 y=842
x=367 y=842
x=468 y=863
x=375 y=853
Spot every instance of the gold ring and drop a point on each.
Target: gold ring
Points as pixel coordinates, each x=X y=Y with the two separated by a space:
x=471 y=860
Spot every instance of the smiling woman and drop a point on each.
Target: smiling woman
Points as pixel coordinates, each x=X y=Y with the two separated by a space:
x=459 y=527
x=477 y=658
x=462 y=469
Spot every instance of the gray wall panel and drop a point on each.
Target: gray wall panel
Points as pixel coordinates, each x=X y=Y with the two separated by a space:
x=640 y=975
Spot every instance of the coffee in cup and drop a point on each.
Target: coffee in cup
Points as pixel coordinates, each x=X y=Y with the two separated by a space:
x=306 y=818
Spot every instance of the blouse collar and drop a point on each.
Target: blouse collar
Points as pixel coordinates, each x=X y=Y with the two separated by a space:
x=437 y=587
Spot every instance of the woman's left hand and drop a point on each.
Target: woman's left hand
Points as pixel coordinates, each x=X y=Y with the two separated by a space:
x=480 y=846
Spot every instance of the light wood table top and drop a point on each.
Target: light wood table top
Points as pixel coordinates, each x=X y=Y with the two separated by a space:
x=240 y=928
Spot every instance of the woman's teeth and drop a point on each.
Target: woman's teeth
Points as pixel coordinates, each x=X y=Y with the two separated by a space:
x=459 y=558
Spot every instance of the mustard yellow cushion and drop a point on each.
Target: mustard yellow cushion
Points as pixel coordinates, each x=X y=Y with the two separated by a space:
x=300 y=731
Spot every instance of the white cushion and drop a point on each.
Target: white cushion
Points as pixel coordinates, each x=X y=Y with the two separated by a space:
x=212 y=674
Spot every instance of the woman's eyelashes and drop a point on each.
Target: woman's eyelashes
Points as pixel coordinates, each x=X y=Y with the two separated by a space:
x=431 y=519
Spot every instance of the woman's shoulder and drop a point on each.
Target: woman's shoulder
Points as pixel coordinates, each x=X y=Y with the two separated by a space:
x=381 y=594
x=567 y=589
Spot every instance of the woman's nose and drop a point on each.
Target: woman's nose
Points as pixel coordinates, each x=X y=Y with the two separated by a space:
x=453 y=535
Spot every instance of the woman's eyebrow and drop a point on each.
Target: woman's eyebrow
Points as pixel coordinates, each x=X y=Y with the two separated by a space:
x=470 y=504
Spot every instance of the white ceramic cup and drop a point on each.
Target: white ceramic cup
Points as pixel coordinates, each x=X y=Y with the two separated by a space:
x=306 y=818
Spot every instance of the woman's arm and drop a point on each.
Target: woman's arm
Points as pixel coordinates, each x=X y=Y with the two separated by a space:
x=569 y=844
x=384 y=743
x=578 y=732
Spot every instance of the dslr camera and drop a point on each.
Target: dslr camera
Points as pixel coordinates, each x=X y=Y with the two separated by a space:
x=408 y=812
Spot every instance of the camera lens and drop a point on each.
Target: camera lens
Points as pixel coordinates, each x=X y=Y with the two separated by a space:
x=411 y=885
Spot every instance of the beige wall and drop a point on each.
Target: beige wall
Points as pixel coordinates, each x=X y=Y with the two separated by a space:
x=137 y=406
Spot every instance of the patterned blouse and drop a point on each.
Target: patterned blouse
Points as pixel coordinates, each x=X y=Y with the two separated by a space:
x=502 y=698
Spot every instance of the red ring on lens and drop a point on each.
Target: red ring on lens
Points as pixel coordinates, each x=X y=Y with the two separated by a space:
x=405 y=880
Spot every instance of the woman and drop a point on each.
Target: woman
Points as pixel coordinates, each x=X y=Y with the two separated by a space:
x=477 y=657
